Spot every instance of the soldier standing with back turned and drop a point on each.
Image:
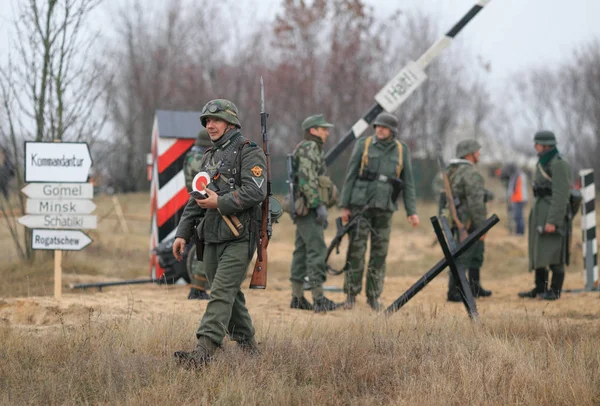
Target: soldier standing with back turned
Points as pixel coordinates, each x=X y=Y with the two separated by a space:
x=191 y=166
x=549 y=227
x=237 y=169
x=311 y=216
x=468 y=188
x=380 y=167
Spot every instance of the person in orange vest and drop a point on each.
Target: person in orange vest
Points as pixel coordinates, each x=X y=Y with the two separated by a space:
x=517 y=195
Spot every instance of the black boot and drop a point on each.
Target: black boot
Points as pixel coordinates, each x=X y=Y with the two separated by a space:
x=249 y=346
x=323 y=304
x=541 y=283
x=454 y=295
x=197 y=294
x=350 y=302
x=558 y=277
x=375 y=304
x=200 y=356
x=300 y=303
x=476 y=288
x=453 y=291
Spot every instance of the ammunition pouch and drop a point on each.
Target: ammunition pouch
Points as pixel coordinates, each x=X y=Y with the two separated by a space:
x=328 y=191
x=488 y=196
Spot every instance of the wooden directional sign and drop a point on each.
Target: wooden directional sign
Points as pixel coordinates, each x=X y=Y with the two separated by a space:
x=50 y=206
x=59 y=221
x=59 y=190
x=68 y=240
x=57 y=161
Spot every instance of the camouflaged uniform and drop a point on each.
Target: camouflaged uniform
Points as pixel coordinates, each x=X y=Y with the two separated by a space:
x=309 y=249
x=468 y=190
x=358 y=193
x=242 y=186
x=468 y=187
x=191 y=166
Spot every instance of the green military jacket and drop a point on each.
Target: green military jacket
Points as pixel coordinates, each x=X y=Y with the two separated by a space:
x=309 y=164
x=550 y=249
x=234 y=199
x=468 y=187
x=383 y=159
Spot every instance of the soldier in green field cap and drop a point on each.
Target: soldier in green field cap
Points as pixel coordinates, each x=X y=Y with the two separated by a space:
x=237 y=170
x=468 y=190
x=192 y=164
x=549 y=227
x=379 y=169
x=315 y=193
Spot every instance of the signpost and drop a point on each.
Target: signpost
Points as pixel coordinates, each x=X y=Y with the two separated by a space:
x=57 y=161
x=58 y=205
x=65 y=240
x=51 y=206
x=59 y=190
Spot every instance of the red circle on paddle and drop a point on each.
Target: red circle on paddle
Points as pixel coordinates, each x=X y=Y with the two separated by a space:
x=201 y=180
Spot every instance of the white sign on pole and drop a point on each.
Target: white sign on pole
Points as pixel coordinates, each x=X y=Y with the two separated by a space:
x=397 y=90
x=59 y=190
x=57 y=161
x=59 y=221
x=51 y=206
x=68 y=240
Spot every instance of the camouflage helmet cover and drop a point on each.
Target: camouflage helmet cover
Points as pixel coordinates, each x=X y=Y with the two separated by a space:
x=545 y=138
x=203 y=139
x=387 y=120
x=223 y=109
x=467 y=147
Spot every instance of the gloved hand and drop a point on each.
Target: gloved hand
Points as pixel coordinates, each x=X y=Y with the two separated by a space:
x=322 y=216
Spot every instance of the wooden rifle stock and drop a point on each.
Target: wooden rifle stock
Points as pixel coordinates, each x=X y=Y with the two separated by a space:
x=259 y=275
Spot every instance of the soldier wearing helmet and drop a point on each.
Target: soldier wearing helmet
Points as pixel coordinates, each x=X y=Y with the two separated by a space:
x=192 y=164
x=549 y=219
x=237 y=170
x=315 y=195
x=379 y=169
x=468 y=190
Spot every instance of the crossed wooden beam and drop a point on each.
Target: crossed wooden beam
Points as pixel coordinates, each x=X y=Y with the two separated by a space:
x=452 y=252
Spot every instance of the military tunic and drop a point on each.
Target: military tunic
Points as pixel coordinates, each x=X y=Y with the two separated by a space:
x=383 y=159
x=226 y=257
x=309 y=246
x=550 y=248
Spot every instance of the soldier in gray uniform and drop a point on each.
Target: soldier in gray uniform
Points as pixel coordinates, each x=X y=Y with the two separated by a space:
x=549 y=225
x=468 y=188
x=237 y=169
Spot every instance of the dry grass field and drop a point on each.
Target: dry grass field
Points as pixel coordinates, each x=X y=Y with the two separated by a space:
x=115 y=346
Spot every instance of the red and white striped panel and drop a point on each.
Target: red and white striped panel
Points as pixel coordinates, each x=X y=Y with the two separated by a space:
x=168 y=194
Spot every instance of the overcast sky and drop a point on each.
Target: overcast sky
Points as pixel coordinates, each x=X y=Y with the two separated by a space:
x=510 y=34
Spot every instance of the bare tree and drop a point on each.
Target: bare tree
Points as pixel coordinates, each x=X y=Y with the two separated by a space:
x=49 y=85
